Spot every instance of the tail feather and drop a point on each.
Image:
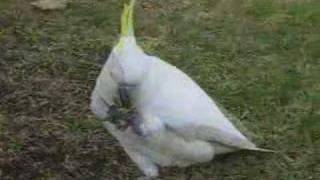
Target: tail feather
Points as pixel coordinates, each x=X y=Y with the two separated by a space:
x=260 y=150
x=227 y=139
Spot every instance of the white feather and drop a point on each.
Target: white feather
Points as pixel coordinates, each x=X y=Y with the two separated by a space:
x=181 y=124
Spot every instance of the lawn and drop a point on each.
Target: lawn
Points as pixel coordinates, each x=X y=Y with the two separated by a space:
x=260 y=59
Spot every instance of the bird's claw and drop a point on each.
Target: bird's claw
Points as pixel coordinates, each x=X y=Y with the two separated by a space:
x=124 y=96
x=145 y=126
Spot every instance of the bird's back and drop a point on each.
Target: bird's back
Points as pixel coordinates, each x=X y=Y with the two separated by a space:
x=178 y=100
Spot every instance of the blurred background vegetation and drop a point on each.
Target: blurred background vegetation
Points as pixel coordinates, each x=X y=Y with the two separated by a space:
x=259 y=58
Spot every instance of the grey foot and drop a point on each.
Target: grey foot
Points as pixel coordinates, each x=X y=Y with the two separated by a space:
x=124 y=91
x=135 y=121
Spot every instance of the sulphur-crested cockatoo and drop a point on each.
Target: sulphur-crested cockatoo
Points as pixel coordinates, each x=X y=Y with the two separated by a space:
x=176 y=123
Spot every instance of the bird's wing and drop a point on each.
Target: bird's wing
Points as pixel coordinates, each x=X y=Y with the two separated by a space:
x=212 y=134
x=186 y=109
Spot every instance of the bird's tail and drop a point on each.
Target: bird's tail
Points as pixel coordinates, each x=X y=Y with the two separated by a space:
x=247 y=145
x=260 y=150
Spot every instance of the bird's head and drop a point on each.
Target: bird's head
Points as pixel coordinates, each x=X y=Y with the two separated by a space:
x=127 y=64
x=127 y=61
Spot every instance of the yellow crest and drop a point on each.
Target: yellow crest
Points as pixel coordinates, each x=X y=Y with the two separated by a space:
x=127 y=28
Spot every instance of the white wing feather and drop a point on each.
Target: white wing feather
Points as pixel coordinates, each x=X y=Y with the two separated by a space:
x=184 y=107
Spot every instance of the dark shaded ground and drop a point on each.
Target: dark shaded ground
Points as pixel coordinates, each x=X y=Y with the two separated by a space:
x=259 y=58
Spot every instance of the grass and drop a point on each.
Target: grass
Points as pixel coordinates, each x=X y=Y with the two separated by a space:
x=259 y=58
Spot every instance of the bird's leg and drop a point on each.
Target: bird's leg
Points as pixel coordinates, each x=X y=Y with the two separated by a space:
x=134 y=118
x=145 y=125
x=149 y=169
x=120 y=111
x=128 y=141
x=135 y=121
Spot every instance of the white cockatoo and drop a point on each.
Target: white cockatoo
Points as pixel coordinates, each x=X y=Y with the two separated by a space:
x=176 y=123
